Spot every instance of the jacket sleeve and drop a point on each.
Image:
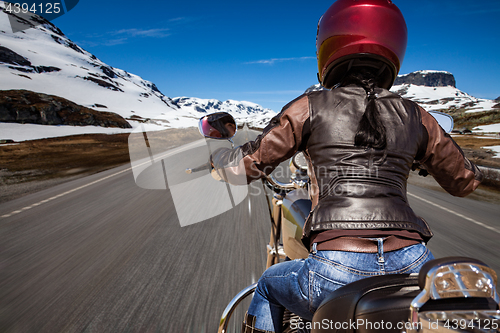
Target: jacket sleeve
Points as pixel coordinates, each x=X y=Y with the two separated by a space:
x=278 y=142
x=445 y=160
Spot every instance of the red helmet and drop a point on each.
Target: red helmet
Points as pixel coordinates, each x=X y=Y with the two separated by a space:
x=360 y=33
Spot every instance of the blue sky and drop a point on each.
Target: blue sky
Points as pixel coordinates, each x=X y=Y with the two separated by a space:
x=264 y=51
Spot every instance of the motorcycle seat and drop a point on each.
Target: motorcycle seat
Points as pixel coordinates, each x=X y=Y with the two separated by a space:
x=380 y=298
x=363 y=306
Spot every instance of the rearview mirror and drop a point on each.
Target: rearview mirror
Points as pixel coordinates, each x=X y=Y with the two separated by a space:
x=444 y=120
x=220 y=125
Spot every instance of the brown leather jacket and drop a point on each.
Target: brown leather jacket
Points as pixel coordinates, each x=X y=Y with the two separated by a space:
x=354 y=187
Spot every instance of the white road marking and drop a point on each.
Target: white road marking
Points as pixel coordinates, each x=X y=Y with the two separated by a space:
x=171 y=152
x=62 y=194
x=455 y=213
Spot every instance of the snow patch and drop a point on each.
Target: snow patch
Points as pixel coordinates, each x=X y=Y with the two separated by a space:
x=23 y=132
x=493 y=128
x=425 y=72
x=496 y=149
x=439 y=98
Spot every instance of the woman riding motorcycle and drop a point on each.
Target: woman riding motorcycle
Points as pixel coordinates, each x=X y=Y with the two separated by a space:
x=361 y=141
x=218 y=125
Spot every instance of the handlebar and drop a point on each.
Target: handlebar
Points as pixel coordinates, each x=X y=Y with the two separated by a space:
x=279 y=185
x=270 y=179
x=206 y=166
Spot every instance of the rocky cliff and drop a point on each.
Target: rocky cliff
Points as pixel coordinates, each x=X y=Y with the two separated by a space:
x=28 y=107
x=427 y=78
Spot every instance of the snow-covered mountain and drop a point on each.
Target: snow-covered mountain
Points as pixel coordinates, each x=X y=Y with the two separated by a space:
x=42 y=59
x=435 y=90
x=245 y=112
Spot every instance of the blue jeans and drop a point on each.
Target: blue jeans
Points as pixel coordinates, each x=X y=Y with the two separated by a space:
x=301 y=285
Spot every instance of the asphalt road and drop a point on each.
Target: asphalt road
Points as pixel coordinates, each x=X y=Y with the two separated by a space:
x=101 y=254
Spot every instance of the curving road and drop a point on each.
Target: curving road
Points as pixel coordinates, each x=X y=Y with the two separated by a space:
x=101 y=254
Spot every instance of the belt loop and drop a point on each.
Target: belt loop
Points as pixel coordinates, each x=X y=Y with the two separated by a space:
x=314 y=248
x=380 y=246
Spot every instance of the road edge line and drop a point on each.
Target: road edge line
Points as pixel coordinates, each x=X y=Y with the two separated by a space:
x=455 y=213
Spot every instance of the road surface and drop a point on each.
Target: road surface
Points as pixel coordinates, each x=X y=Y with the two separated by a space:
x=101 y=254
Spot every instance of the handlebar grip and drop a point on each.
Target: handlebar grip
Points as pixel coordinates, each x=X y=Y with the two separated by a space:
x=206 y=166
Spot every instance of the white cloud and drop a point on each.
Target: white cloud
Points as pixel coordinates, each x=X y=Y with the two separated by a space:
x=274 y=60
x=133 y=32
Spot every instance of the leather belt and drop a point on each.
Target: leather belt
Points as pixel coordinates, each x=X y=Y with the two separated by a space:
x=365 y=245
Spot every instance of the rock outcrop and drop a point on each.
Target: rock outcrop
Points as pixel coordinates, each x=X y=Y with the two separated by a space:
x=12 y=58
x=28 y=107
x=427 y=78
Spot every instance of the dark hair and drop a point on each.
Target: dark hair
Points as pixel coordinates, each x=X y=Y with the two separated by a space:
x=371 y=130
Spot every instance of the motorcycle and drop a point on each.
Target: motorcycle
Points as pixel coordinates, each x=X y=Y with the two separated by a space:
x=452 y=294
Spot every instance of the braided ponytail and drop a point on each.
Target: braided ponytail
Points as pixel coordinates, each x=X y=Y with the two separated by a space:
x=371 y=130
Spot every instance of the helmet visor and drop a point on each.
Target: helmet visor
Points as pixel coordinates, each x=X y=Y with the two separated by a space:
x=208 y=130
